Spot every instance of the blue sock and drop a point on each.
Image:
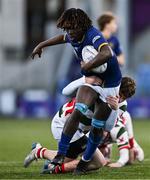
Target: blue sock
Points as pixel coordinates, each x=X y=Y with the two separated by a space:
x=93 y=140
x=64 y=144
x=92 y=144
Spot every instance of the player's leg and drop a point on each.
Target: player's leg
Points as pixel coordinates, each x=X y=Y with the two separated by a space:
x=38 y=152
x=101 y=114
x=85 y=98
x=75 y=149
x=97 y=161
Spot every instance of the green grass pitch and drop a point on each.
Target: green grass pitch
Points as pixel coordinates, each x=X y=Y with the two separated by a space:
x=16 y=137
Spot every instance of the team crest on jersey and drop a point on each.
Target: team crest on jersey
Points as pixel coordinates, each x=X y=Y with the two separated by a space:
x=96 y=38
x=111 y=45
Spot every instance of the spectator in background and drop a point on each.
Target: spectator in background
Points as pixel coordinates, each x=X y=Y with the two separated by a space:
x=108 y=26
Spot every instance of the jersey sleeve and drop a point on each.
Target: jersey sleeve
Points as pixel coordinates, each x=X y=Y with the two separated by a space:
x=117 y=49
x=66 y=38
x=98 y=41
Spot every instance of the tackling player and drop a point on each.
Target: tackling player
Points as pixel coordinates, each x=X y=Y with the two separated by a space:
x=127 y=89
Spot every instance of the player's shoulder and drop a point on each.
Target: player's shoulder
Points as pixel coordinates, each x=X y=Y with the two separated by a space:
x=123 y=105
x=94 y=34
x=113 y=38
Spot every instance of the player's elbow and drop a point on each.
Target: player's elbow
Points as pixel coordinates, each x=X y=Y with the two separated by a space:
x=121 y=60
x=107 y=52
x=64 y=92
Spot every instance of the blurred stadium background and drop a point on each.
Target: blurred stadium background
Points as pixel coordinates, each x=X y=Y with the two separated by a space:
x=33 y=88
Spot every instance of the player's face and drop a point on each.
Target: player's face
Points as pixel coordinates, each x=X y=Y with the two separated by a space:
x=113 y=26
x=75 y=34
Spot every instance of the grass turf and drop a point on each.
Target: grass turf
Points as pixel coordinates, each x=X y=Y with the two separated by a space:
x=16 y=137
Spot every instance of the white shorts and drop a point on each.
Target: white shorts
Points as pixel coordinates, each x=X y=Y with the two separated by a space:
x=104 y=92
x=57 y=126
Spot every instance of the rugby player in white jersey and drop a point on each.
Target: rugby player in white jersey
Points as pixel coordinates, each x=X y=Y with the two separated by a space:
x=127 y=90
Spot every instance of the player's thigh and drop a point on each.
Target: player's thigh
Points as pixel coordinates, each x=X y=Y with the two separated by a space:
x=102 y=111
x=86 y=95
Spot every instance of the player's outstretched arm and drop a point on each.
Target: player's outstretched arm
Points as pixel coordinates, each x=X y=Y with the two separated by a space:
x=121 y=59
x=50 y=42
x=102 y=57
x=123 y=159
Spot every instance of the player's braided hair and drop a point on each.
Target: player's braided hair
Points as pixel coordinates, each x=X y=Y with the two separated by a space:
x=127 y=88
x=74 y=19
x=105 y=19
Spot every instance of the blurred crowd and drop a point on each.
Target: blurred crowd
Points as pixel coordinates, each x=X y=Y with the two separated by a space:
x=32 y=88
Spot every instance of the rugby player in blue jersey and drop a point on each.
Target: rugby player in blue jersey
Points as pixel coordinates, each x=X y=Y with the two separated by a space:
x=108 y=26
x=80 y=33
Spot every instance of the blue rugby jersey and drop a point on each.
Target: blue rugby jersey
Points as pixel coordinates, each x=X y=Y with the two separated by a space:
x=112 y=75
x=115 y=45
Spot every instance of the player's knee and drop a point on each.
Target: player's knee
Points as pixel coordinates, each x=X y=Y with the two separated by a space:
x=98 y=124
x=82 y=108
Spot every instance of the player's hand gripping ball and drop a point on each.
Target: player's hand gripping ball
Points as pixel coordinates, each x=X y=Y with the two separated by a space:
x=88 y=54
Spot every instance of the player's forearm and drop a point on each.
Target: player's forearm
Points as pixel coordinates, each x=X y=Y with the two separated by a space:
x=121 y=59
x=102 y=57
x=52 y=41
x=124 y=156
x=73 y=86
x=111 y=120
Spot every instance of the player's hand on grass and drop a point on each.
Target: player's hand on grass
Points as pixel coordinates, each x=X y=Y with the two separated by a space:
x=132 y=155
x=37 y=51
x=115 y=165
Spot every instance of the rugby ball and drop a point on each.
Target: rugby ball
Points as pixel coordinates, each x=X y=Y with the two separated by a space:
x=88 y=54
